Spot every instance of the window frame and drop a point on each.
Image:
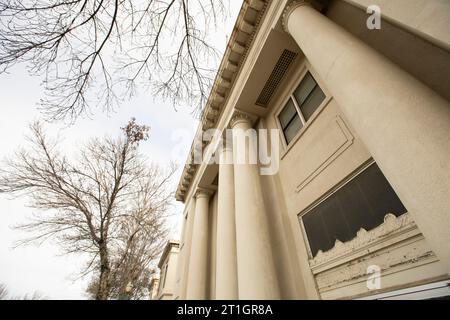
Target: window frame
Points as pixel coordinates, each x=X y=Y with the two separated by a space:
x=298 y=113
x=290 y=95
x=327 y=195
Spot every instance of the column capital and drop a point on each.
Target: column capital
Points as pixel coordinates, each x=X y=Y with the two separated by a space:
x=239 y=117
x=290 y=8
x=203 y=193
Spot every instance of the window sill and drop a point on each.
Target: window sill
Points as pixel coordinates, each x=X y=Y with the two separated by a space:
x=393 y=230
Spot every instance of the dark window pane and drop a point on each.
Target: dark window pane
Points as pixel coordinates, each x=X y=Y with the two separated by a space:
x=287 y=114
x=361 y=203
x=379 y=194
x=312 y=103
x=353 y=206
x=292 y=129
x=336 y=222
x=290 y=121
x=314 y=225
x=309 y=96
x=305 y=88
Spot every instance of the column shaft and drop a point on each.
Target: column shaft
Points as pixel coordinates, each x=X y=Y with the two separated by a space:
x=198 y=262
x=256 y=270
x=226 y=269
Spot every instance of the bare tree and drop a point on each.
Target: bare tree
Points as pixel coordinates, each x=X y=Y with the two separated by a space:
x=138 y=244
x=96 y=52
x=33 y=296
x=5 y=295
x=98 y=205
x=3 y=292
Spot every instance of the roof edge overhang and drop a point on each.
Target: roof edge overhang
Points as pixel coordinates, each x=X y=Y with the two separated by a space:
x=170 y=244
x=229 y=69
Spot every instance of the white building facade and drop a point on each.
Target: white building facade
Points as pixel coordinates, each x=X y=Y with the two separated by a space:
x=163 y=285
x=354 y=200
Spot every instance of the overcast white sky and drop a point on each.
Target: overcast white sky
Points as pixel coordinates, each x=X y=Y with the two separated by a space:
x=43 y=269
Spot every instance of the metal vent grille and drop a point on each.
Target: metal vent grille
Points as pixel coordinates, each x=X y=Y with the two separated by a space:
x=275 y=78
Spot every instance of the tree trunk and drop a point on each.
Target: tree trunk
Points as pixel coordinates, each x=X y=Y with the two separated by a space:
x=103 y=283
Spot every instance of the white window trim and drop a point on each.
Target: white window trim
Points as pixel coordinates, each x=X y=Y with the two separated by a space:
x=297 y=107
x=306 y=124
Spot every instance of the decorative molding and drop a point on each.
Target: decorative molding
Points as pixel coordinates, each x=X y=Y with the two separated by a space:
x=212 y=114
x=364 y=239
x=186 y=178
x=290 y=8
x=335 y=153
x=397 y=247
x=345 y=279
x=203 y=193
x=240 y=116
x=256 y=4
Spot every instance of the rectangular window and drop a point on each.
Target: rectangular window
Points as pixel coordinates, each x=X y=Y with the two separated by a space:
x=361 y=203
x=306 y=98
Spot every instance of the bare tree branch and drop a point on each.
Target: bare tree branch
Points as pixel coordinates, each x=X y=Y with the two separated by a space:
x=6 y=295
x=94 y=53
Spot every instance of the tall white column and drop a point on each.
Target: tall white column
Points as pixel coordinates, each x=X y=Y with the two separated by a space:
x=198 y=262
x=256 y=270
x=404 y=124
x=226 y=267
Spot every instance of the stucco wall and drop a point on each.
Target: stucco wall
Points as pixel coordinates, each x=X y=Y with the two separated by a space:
x=429 y=19
x=167 y=285
x=185 y=250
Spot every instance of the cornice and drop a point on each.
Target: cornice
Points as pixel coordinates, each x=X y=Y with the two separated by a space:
x=168 y=248
x=223 y=85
